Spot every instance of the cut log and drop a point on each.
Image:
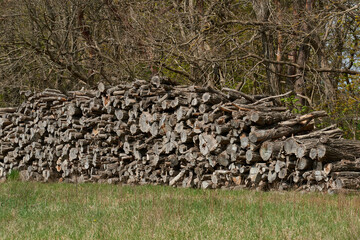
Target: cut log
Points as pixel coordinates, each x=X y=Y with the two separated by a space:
x=211 y=98
x=268 y=118
x=270 y=149
x=257 y=135
x=349 y=147
x=252 y=157
x=345 y=174
x=290 y=146
x=347 y=183
x=254 y=175
x=272 y=176
x=223 y=159
x=327 y=153
x=145 y=122
x=244 y=141
x=345 y=165
x=283 y=173
x=304 y=163
x=303 y=149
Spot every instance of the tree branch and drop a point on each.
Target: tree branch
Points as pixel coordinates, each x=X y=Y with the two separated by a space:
x=306 y=68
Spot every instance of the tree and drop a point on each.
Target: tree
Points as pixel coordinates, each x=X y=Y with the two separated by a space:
x=261 y=47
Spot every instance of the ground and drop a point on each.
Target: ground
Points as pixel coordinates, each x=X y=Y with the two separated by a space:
x=98 y=211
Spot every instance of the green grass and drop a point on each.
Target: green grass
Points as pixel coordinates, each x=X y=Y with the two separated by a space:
x=96 y=211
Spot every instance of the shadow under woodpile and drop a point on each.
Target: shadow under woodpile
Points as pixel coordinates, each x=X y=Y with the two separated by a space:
x=153 y=132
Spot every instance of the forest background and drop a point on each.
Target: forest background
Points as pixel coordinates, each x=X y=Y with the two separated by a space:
x=309 y=47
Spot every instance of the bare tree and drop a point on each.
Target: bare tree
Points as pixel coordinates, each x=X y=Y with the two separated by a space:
x=265 y=47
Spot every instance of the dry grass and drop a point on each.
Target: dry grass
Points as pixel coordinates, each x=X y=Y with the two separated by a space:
x=94 y=211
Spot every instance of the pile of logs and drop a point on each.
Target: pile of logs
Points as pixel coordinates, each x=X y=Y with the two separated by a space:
x=152 y=132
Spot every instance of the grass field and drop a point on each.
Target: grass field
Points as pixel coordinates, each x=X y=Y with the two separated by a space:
x=95 y=211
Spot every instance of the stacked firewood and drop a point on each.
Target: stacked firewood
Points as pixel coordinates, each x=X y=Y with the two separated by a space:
x=153 y=132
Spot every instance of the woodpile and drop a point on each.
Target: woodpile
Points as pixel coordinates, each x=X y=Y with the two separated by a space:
x=184 y=136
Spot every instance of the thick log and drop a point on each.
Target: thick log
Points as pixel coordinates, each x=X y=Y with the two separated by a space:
x=303 y=149
x=283 y=173
x=257 y=135
x=304 y=163
x=254 y=175
x=222 y=129
x=347 y=183
x=223 y=159
x=207 y=143
x=232 y=150
x=203 y=108
x=350 y=147
x=270 y=149
x=272 y=176
x=279 y=165
x=345 y=174
x=290 y=146
x=327 y=154
x=121 y=114
x=252 y=157
x=186 y=136
x=345 y=165
x=244 y=141
x=181 y=113
x=268 y=118
x=145 y=122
